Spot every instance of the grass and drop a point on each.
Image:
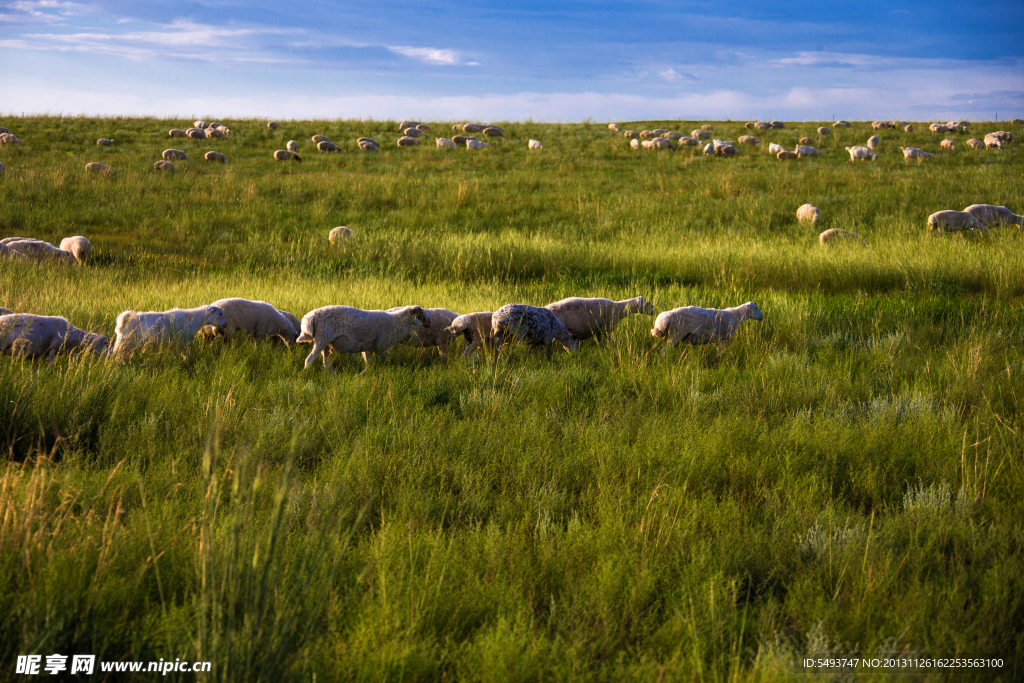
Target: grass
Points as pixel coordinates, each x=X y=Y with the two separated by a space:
x=844 y=477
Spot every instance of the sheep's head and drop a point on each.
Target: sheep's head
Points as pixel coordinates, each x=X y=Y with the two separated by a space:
x=753 y=311
x=646 y=307
x=98 y=343
x=573 y=345
x=215 y=316
x=657 y=332
x=417 y=316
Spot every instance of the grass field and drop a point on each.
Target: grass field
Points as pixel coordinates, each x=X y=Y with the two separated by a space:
x=843 y=477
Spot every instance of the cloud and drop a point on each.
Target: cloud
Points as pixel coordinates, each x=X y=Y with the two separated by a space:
x=673 y=76
x=431 y=55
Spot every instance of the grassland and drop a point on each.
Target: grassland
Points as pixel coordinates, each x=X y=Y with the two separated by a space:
x=844 y=477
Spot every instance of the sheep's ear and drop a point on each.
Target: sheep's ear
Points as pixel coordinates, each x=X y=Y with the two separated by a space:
x=211 y=309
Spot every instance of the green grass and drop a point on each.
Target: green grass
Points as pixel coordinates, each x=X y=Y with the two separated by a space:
x=843 y=477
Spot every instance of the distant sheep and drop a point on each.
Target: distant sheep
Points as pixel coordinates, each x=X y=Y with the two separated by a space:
x=662 y=143
x=613 y=127
x=975 y=144
x=104 y=142
x=175 y=155
x=327 y=146
x=785 y=155
x=535 y=144
x=873 y=142
x=647 y=134
x=806 y=141
x=1003 y=135
x=858 y=152
x=135 y=329
x=97 y=167
x=291 y=146
x=672 y=135
x=938 y=128
x=748 y=140
x=750 y=125
x=339 y=233
x=726 y=150
x=596 y=318
x=778 y=125
x=909 y=128
x=273 y=125
x=700 y=134
x=286 y=155
x=77 y=246
x=947 y=144
x=824 y=130
x=707 y=126
x=445 y=143
x=461 y=140
x=991 y=216
x=317 y=139
x=532 y=325
x=200 y=124
x=493 y=132
x=414 y=133
x=834 y=236
x=216 y=133
x=635 y=143
x=806 y=151
x=435 y=332
x=472 y=127
x=9 y=139
x=164 y=165
x=408 y=124
x=993 y=142
x=368 y=144
x=709 y=149
x=808 y=213
x=343 y=329
x=474 y=327
x=24 y=334
x=215 y=156
x=38 y=250
x=951 y=221
x=695 y=325
x=763 y=125
x=774 y=148
x=914 y=153
x=196 y=134
x=178 y=133
x=406 y=141
x=631 y=134
x=476 y=144
x=257 y=318
x=424 y=127
x=841 y=124
x=880 y=125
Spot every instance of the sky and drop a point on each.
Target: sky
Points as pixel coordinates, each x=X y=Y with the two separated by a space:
x=555 y=60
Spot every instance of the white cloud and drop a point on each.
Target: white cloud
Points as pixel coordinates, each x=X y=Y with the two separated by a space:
x=431 y=55
x=673 y=76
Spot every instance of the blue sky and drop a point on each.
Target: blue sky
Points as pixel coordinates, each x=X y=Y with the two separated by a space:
x=547 y=61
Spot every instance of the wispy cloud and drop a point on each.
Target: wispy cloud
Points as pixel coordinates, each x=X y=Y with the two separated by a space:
x=673 y=76
x=432 y=55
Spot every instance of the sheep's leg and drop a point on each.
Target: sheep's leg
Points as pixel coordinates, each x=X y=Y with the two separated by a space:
x=442 y=347
x=317 y=349
x=470 y=348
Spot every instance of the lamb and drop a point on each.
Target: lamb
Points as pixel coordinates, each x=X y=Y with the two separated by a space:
x=947 y=144
x=104 y=142
x=824 y=130
x=434 y=333
x=273 y=125
x=614 y=127
x=368 y=144
x=175 y=155
x=474 y=327
x=991 y=216
x=257 y=318
x=77 y=246
x=873 y=142
x=343 y=329
x=493 y=132
x=24 y=334
x=808 y=212
x=196 y=134
x=287 y=155
x=858 y=152
x=774 y=148
x=164 y=165
x=215 y=156
x=909 y=128
x=461 y=140
x=914 y=153
x=317 y=139
x=806 y=151
x=135 y=329
x=535 y=144
x=475 y=144
x=97 y=167
x=407 y=141
x=806 y=141
x=586 y=318
x=748 y=140
x=975 y=144
x=445 y=143
x=703 y=325
x=785 y=155
x=339 y=233
x=631 y=134
x=327 y=146
x=530 y=324
x=950 y=221
x=38 y=250
x=835 y=236
x=177 y=133
x=291 y=146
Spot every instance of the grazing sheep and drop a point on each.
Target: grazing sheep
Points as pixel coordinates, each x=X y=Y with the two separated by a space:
x=726 y=150
x=422 y=126
x=493 y=132
x=9 y=139
x=748 y=140
x=909 y=128
x=1002 y=135
x=841 y=124
x=472 y=127
x=672 y=135
x=476 y=144
x=785 y=155
x=631 y=134
x=200 y=124
x=824 y=130
x=178 y=133
x=317 y=139
x=414 y=133
x=7 y=253
x=292 y=319
x=596 y=318
x=951 y=221
x=77 y=246
x=175 y=155
x=257 y=318
x=38 y=250
x=778 y=124
x=806 y=141
x=368 y=144
x=408 y=124
x=938 y=128
x=164 y=165
x=273 y=125
x=808 y=213
x=993 y=142
x=647 y=134
x=474 y=327
x=836 y=236
x=287 y=155
x=947 y=144
x=104 y=142
x=339 y=233
x=707 y=126
x=4 y=311
x=709 y=149
x=406 y=141
x=215 y=156
x=291 y=146
x=858 y=152
x=461 y=140
x=763 y=125
x=662 y=143
x=535 y=144
x=691 y=142
x=196 y=134
x=435 y=332
x=530 y=324
x=216 y=133
x=343 y=329
x=806 y=151
x=774 y=148
x=635 y=143
x=880 y=125
x=750 y=125
x=327 y=146
x=24 y=334
x=135 y=329
x=991 y=216
x=700 y=134
x=873 y=142
x=613 y=127
x=97 y=167
x=975 y=144
x=703 y=325
x=445 y=143
x=958 y=128
x=914 y=153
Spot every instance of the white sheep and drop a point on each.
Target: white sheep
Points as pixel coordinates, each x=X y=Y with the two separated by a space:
x=474 y=327
x=613 y=127
x=7 y=253
x=493 y=132
x=688 y=141
x=880 y=125
x=991 y=216
x=703 y=325
x=727 y=150
x=863 y=153
x=215 y=156
x=951 y=221
x=785 y=155
x=414 y=133
x=343 y=329
x=424 y=127
x=407 y=141
x=914 y=153
x=104 y=142
x=748 y=140
x=596 y=318
x=774 y=148
x=287 y=155
x=473 y=127
x=532 y=325
x=631 y=134
x=409 y=124
x=178 y=325
x=841 y=124
x=327 y=146
x=975 y=144
x=662 y=143
x=175 y=155
x=178 y=133
x=460 y=140
x=339 y=233
x=445 y=143
x=836 y=235
x=196 y=134
x=992 y=142
x=38 y=250
x=257 y=318
x=805 y=141
x=947 y=144
x=164 y=165
x=873 y=142
x=938 y=128
x=750 y=125
x=9 y=139
x=273 y=125
x=806 y=151
x=433 y=333
x=700 y=134
x=368 y=144
x=476 y=144
x=808 y=213
x=97 y=167
x=635 y=143
x=317 y=139
x=77 y=246
x=24 y=334
x=909 y=128
x=824 y=130
x=707 y=126
x=762 y=125
x=778 y=125
x=709 y=149
x=291 y=146
x=216 y=133
x=200 y=124
x=535 y=144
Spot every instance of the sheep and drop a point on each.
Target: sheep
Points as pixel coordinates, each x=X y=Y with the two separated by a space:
x=339 y=233
x=177 y=133
x=9 y=139
x=4 y=130
x=914 y=153
x=25 y=334
x=422 y=126
x=808 y=213
x=909 y=128
x=493 y=132
x=257 y=318
x=530 y=324
x=662 y=143
x=135 y=329
x=784 y=155
x=879 y=125
x=196 y=134
x=991 y=216
x=368 y=144
x=7 y=253
x=434 y=333
x=873 y=142
x=414 y=133
x=461 y=140
x=947 y=144
x=958 y=128
x=475 y=144
x=1003 y=135
x=975 y=144
x=700 y=134
x=409 y=124
x=750 y=125
x=778 y=125
x=5 y=311
x=806 y=151
x=97 y=167
x=659 y=131
x=292 y=319
x=858 y=152
x=631 y=134
x=841 y=124
x=287 y=155
x=104 y=142
x=535 y=144
x=614 y=127
x=691 y=142
x=938 y=128
x=726 y=150
x=216 y=133
x=824 y=130
x=703 y=325
x=327 y=146
x=774 y=148
x=474 y=327
x=214 y=124
x=707 y=126
x=949 y=221
x=993 y=142
x=77 y=246
x=175 y=155
x=317 y=139
x=164 y=165
x=748 y=140
x=273 y=125
x=215 y=156
x=805 y=141
x=635 y=143
x=343 y=329
x=672 y=135
x=406 y=141
x=200 y=124
x=473 y=127
x=835 y=236
x=709 y=149
x=291 y=146
x=646 y=134
x=762 y=125
x=445 y=143
x=597 y=318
